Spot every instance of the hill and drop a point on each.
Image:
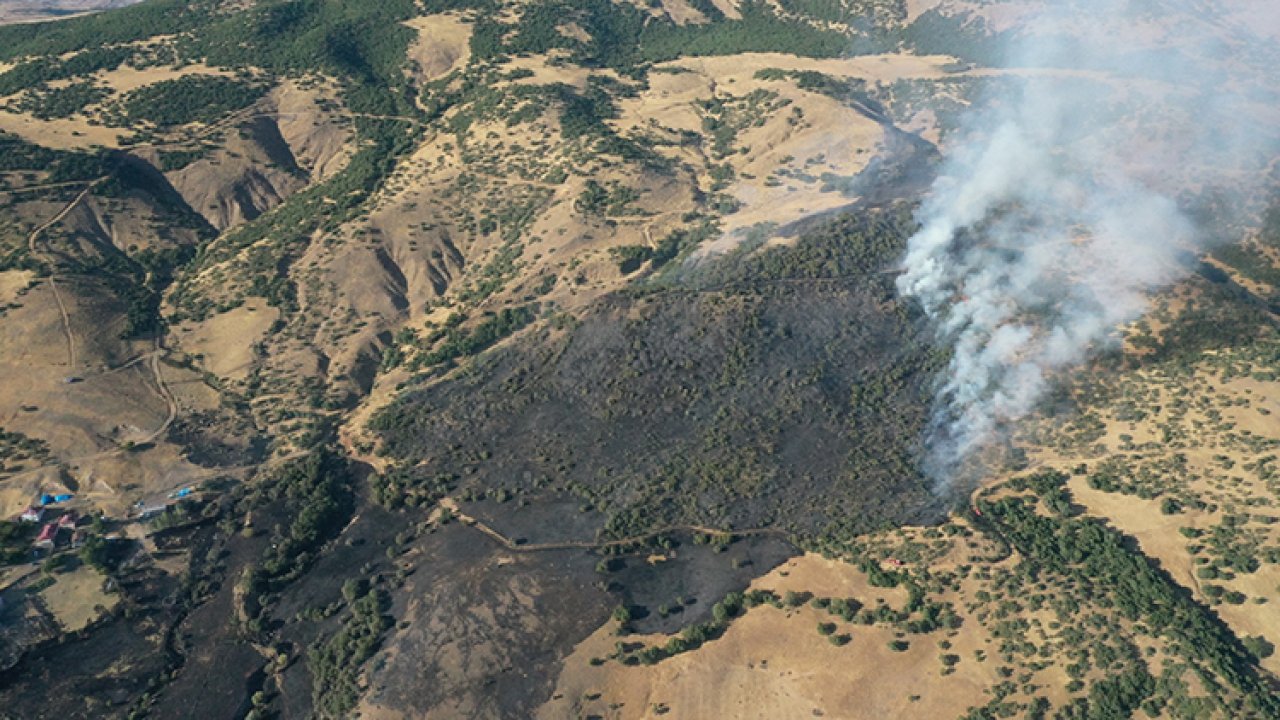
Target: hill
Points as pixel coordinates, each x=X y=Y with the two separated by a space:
x=25 y=11
x=466 y=358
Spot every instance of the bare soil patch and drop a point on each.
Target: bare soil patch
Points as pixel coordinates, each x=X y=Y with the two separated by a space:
x=76 y=598
x=773 y=663
x=442 y=46
x=224 y=343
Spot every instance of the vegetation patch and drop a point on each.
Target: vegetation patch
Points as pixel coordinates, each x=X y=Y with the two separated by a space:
x=193 y=98
x=315 y=499
x=1095 y=561
x=335 y=663
x=60 y=102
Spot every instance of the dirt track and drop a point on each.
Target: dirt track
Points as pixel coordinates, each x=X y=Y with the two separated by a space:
x=32 y=240
x=514 y=546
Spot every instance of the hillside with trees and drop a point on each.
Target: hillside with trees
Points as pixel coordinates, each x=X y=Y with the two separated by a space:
x=474 y=358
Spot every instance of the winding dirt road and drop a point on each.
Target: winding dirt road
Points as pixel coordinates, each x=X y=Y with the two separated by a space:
x=33 y=248
x=153 y=358
x=163 y=391
x=452 y=506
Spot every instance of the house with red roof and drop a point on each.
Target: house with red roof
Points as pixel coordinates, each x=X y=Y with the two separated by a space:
x=48 y=535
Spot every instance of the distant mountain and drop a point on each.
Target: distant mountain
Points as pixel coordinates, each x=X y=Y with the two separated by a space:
x=18 y=11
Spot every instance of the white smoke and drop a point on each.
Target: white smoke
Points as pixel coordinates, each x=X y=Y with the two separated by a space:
x=1053 y=217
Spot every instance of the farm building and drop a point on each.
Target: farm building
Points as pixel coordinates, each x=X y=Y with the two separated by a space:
x=48 y=536
x=152 y=511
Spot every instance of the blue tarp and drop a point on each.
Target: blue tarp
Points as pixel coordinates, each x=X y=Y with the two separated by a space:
x=46 y=499
x=183 y=492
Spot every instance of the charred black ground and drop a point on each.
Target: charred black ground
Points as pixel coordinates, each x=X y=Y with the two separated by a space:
x=775 y=388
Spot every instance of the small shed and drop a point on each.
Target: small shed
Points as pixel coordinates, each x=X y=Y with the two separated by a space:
x=152 y=511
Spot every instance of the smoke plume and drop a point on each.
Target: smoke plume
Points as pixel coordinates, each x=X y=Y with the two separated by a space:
x=1057 y=212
